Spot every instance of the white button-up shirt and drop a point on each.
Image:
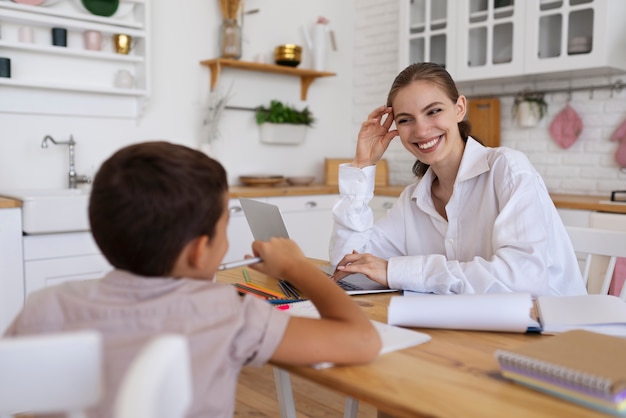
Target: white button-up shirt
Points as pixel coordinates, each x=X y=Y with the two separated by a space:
x=503 y=233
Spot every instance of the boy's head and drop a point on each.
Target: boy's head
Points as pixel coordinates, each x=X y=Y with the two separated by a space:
x=150 y=199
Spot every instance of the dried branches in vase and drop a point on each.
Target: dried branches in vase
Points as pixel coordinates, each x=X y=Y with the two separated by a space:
x=230 y=8
x=230 y=31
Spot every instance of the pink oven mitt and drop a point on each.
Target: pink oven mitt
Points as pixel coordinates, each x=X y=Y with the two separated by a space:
x=620 y=136
x=566 y=127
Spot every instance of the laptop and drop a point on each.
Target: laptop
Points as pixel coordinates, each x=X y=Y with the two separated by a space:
x=266 y=221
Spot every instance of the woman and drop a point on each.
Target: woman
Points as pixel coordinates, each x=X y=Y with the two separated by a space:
x=477 y=220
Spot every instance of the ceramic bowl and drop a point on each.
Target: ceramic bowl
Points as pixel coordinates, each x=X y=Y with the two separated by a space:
x=300 y=180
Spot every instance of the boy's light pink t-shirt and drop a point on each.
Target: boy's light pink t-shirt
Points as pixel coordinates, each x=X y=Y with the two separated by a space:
x=224 y=331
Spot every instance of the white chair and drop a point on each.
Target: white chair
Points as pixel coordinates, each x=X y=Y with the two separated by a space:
x=158 y=381
x=597 y=251
x=50 y=373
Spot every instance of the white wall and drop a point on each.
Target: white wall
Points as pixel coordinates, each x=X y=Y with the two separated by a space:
x=181 y=37
x=587 y=167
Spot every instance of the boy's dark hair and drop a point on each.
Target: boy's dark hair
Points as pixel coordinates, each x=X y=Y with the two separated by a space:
x=149 y=200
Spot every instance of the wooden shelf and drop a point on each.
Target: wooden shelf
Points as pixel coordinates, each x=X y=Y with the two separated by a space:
x=306 y=76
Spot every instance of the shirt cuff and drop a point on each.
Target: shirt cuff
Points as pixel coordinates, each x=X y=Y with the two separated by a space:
x=356 y=181
x=406 y=273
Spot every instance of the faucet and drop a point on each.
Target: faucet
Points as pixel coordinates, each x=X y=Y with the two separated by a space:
x=73 y=178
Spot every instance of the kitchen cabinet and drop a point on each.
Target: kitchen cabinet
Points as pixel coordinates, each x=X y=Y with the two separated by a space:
x=381 y=204
x=11 y=267
x=428 y=27
x=73 y=80
x=51 y=259
x=306 y=76
x=508 y=39
x=308 y=220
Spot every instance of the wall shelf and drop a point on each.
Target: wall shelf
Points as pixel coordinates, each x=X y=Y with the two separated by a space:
x=306 y=76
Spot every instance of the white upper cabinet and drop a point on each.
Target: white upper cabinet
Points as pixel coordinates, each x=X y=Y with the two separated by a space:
x=490 y=39
x=571 y=35
x=427 y=28
x=74 y=79
x=481 y=40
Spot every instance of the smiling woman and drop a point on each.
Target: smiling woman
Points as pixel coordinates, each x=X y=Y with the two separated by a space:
x=476 y=220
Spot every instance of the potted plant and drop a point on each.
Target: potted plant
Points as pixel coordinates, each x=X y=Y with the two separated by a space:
x=529 y=109
x=283 y=124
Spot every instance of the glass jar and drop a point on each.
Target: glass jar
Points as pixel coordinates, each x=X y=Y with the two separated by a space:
x=230 y=39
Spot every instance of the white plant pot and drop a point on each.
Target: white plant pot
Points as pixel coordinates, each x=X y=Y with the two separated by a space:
x=528 y=114
x=282 y=133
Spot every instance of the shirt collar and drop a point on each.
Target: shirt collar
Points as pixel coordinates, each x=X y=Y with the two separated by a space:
x=473 y=163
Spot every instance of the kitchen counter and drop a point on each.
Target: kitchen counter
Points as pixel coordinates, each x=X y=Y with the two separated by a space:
x=562 y=201
x=9 y=203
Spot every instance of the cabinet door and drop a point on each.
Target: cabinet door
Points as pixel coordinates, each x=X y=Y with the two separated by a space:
x=490 y=39
x=570 y=35
x=238 y=232
x=11 y=267
x=44 y=273
x=309 y=221
x=426 y=32
x=381 y=204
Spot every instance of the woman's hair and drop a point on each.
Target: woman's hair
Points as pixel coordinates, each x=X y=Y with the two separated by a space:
x=437 y=75
x=149 y=200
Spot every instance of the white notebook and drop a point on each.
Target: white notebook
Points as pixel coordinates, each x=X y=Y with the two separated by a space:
x=393 y=338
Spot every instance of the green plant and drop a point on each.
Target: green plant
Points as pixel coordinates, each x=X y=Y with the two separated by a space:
x=278 y=112
x=537 y=98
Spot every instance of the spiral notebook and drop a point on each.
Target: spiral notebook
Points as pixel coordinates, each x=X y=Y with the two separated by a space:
x=580 y=366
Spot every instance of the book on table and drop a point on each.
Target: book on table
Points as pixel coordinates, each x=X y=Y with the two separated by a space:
x=582 y=366
x=510 y=312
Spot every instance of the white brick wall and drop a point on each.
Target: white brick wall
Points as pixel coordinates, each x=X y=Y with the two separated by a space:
x=587 y=167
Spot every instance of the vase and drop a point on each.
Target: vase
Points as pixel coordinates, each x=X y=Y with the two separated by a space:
x=282 y=133
x=230 y=39
x=528 y=114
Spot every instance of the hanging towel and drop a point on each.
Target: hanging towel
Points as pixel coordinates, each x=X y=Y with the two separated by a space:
x=566 y=127
x=620 y=136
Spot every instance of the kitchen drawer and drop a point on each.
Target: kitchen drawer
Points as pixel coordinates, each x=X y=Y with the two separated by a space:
x=304 y=203
x=38 y=247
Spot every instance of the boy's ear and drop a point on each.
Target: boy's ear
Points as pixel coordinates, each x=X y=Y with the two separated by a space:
x=196 y=251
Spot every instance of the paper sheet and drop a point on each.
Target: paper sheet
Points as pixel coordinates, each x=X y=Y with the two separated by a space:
x=508 y=312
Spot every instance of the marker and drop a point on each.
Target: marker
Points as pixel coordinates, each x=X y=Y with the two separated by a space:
x=240 y=263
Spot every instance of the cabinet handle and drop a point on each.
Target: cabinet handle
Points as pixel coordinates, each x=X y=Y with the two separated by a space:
x=235 y=209
x=310 y=204
x=387 y=205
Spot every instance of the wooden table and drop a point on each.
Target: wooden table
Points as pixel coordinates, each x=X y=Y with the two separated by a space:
x=453 y=375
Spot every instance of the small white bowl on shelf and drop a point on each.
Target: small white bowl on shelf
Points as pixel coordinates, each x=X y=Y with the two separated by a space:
x=300 y=180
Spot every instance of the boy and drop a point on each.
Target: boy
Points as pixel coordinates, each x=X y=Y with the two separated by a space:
x=159 y=212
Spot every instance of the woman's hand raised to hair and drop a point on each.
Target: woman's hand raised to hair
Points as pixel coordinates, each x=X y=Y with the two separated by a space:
x=374 y=137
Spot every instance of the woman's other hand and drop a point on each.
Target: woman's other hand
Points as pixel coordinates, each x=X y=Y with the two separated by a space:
x=373 y=267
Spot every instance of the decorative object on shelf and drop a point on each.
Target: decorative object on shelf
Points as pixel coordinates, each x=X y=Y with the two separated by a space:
x=5 y=67
x=261 y=180
x=288 y=54
x=300 y=180
x=566 y=127
x=104 y=8
x=282 y=124
x=92 y=40
x=317 y=42
x=59 y=36
x=122 y=43
x=230 y=31
x=26 y=34
x=124 y=79
x=529 y=109
x=215 y=107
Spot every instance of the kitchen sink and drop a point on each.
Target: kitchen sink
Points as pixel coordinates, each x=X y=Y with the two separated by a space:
x=52 y=210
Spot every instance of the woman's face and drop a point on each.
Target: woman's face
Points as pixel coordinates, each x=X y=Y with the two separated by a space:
x=427 y=122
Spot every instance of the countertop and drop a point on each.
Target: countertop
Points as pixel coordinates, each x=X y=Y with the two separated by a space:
x=563 y=201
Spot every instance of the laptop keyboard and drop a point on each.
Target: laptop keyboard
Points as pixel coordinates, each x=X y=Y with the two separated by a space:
x=347 y=286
